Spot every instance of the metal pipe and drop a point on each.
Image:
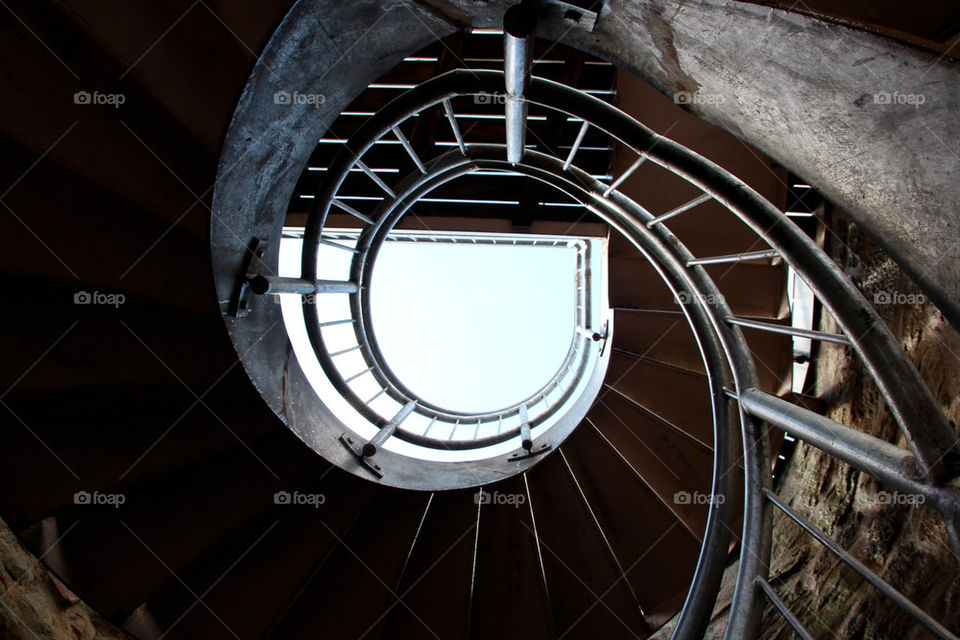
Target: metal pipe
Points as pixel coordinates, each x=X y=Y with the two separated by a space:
x=526 y=441
x=589 y=334
x=898 y=598
x=884 y=461
x=835 y=338
x=334 y=323
x=409 y=149
x=373 y=176
x=337 y=245
x=519 y=23
x=343 y=351
x=448 y=108
x=351 y=211
x=681 y=209
x=623 y=176
x=370 y=448
x=576 y=144
x=784 y=611
x=274 y=285
x=736 y=257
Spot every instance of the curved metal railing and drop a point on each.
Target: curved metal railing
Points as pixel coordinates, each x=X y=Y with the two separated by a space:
x=926 y=469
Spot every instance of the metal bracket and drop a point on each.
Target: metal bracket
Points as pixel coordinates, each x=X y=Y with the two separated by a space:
x=535 y=451
x=604 y=337
x=571 y=13
x=252 y=265
x=357 y=451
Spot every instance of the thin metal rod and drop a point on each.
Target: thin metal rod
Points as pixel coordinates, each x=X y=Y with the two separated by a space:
x=343 y=351
x=536 y=539
x=669 y=506
x=836 y=338
x=600 y=529
x=898 y=598
x=784 y=611
x=376 y=395
x=659 y=418
x=448 y=108
x=351 y=211
x=357 y=375
x=518 y=26
x=736 y=257
x=387 y=430
x=373 y=176
x=576 y=144
x=623 y=176
x=525 y=440
x=406 y=145
x=333 y=323
x=681 y=209
x=589 y=334
x=274 y=285
x=337 y=245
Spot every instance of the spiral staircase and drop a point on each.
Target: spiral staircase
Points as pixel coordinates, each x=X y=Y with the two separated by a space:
x=143 y=466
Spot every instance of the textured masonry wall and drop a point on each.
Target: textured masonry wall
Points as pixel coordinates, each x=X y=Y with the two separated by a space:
x=34 y=604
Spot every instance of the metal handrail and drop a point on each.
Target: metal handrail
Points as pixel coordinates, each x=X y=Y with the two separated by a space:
x=730 y=365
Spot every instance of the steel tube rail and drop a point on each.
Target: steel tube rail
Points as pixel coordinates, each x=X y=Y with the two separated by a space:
x=712 y=560
x=275 y=285
x=519 y=23
x=576 y=144
x=525 y=440
x=736 y=257
x=781 y=606
x=835 y=338
x=626 y=216
x=681 y=209
x=370 y=448
x=452 y=119
x=884 y=461
x=446 y=168
x=623 y=176
x=898 y=598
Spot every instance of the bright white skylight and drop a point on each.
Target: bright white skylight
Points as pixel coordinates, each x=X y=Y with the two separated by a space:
x=471 y=322
x=474 y=328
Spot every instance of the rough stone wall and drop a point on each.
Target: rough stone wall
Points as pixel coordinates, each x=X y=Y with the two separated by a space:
x=904 y=543
x=34 y=604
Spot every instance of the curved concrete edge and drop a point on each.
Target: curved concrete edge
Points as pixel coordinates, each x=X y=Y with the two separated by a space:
x=328 y=52
x=869 y=121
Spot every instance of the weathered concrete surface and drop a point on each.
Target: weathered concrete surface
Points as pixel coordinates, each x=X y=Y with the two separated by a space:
x=34 y=604
x=869 y=121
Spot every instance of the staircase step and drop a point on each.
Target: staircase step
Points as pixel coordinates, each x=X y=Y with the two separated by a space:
x=590 y=595
x=130 y=149
x=111 y=438
x=509 y=592
x=62 y=338
x=120 y=556
x=436 y=582
x=667 y=460
x=80 y=230
x=677 y=396
x=646 y=537
x=248 y=583
x=749 y=289
x=354 y=589
x=158 y=41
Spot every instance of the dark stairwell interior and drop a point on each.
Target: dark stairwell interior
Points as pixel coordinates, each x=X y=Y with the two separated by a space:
x=122 y=386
